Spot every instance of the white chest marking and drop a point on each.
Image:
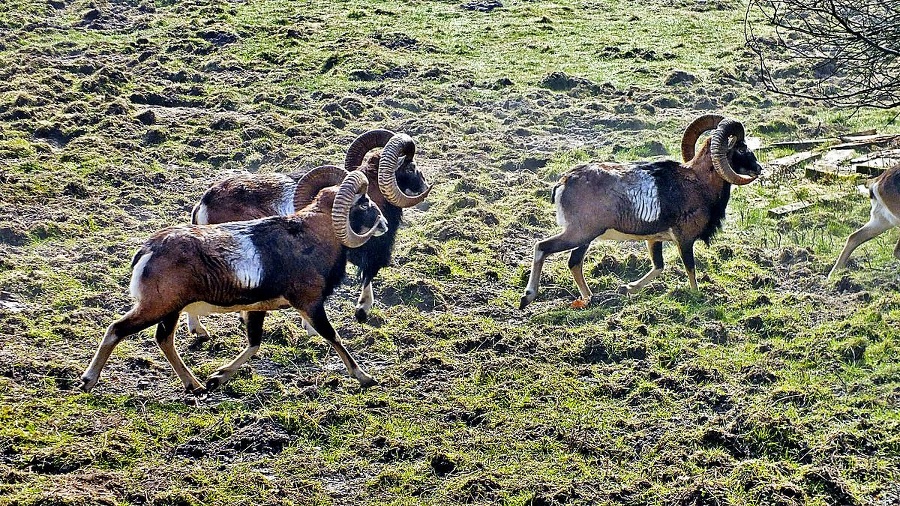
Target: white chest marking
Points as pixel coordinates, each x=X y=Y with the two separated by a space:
x=285 y=205
x=246 y=264
x=644 y=197
x=136 y=273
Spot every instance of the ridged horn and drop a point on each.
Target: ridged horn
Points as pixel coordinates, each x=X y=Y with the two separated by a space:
x=398 y=150
x=309 y=185
x=718 y=147
x=363 y=144
x=353 y=185
x=694 y=131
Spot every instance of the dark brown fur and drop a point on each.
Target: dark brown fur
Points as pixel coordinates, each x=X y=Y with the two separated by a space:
x=296 y=262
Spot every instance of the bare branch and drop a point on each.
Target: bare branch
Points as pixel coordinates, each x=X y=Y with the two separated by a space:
x=845 y=52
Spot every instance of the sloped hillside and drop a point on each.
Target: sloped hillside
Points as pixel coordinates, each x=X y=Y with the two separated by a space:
x=769 y=386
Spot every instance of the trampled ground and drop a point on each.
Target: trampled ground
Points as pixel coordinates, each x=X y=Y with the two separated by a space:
x=769 y=386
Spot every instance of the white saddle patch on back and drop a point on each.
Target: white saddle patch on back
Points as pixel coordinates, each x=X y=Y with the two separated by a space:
x=644 y=196
x=246 y=264
x=134 y=288
x=285 y=205
x=560 y=217
x=202 y=216
x=880 y=209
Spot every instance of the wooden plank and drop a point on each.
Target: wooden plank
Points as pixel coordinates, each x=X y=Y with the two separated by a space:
x=795 y=159
x=834 y=159
x=803 y=143
x=861 y=133
x=881 y=153
x=876 y=166
x=780 y=211
x=803 y=204
x=817 y=172
x=861 y=136
x=866 y=140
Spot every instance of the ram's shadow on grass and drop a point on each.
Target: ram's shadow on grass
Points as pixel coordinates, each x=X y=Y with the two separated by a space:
x=771 y=385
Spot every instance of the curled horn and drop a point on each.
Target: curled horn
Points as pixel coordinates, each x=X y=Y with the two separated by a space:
x=399 y=149
x=309 y=185
x=694 y=131
x=363 y=144
x=718 y=147
x=353 y=185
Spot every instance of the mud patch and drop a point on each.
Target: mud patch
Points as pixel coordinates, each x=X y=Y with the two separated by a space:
x=387 y=451
x=478 y=490
x=442 y=465
x=482 y=5
x=262 y=437
x=396 y=40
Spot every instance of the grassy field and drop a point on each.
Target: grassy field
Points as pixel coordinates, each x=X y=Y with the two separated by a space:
x=769 y=386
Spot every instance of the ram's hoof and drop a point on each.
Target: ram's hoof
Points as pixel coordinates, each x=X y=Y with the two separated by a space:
x=524 y=302
x=197 y=391
x=367 y=381
x=213 y=383
x=86 y=385
x=362 y=315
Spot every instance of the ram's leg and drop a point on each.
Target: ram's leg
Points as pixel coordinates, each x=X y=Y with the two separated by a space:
x=897 y=250
x=876 y=225
x=133 y=322
x=555 y=244
x=310 y=330
x=254 y=321
x=656 y=257
x=576 y=265
x=196 y=328
x=686 y=249
x=319 y=320
x=366 y=300
x=165 y=338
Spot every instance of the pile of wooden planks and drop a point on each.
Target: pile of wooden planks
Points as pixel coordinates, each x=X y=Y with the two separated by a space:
x=860 y=154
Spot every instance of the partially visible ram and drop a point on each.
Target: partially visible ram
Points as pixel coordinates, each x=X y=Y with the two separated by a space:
x=395 y=183
x=884 y=192
x=651 y=201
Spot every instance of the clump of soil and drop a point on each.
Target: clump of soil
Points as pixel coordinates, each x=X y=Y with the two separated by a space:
x=482 y=5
